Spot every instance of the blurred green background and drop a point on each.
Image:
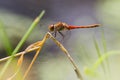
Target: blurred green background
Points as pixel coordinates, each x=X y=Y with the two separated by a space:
x=84 y=45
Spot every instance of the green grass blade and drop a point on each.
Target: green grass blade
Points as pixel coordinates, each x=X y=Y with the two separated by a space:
x=99 y=53
x=103 y=57
x=33 y=25
x=5 y=40
x=104 y=41
x=97 y=47
x=105 y=50
x=92 y=70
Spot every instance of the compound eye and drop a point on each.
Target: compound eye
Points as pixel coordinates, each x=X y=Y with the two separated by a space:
x=51 y=28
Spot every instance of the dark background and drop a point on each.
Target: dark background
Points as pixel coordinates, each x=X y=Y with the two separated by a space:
x=58 y=10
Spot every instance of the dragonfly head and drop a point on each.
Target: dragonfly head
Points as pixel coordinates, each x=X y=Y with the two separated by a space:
x=51 y=28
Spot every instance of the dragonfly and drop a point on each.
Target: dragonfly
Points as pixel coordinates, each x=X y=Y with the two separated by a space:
x=61 y=26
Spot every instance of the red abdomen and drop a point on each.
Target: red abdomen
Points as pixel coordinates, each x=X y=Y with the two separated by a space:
x=88 y=26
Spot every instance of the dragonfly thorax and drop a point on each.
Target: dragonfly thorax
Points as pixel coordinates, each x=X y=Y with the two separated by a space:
x=60 y=26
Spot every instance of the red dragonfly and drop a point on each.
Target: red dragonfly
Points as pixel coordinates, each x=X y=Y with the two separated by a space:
x=60 y=26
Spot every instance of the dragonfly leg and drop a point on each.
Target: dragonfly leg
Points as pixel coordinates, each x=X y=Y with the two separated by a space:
x=55 y=33
x=61 y=34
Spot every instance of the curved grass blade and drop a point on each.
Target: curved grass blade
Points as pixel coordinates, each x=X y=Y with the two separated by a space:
x=99 y=53
x=99 y=61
